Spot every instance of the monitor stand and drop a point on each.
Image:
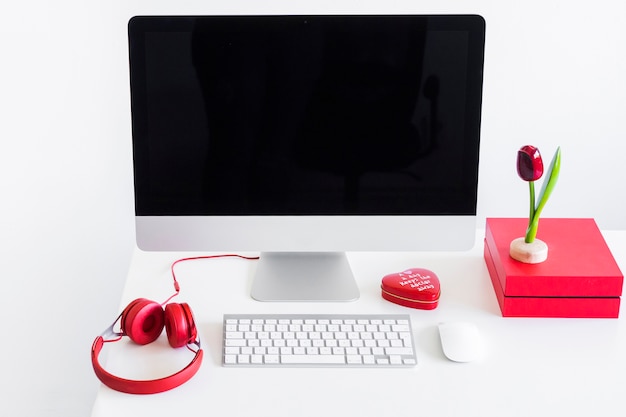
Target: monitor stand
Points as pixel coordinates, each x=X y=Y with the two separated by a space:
x=304 y=276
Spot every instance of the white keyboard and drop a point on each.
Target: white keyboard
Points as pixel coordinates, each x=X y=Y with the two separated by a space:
x=318 y=340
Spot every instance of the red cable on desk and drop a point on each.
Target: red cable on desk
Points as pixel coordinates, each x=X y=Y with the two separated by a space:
x=193 y=258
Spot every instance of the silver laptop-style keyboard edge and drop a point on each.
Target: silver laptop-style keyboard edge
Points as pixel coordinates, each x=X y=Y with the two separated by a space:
x=318 y=340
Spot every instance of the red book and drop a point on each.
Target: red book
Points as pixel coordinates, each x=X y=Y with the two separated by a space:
x=580 y=278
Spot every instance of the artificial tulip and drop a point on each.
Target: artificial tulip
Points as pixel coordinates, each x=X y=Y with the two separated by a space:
x=530 y=169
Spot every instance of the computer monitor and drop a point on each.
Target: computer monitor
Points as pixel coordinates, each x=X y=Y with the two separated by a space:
x=303 y=137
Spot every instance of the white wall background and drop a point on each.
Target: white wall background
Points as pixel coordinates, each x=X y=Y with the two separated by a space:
x=555 y=74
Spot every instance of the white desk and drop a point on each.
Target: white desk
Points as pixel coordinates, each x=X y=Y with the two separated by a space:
x=551 y=367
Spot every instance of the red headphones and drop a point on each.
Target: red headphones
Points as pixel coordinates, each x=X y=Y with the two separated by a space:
x=143 y=321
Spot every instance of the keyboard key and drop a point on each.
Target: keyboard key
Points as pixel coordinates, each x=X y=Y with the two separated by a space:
x=398 y=351
x=234 y=342
x=312 y=359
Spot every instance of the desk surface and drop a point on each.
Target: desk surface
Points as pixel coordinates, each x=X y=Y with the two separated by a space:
x=572 y=367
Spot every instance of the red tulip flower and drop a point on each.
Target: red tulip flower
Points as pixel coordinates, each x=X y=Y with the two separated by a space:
x=529 y=163
x=530 y=169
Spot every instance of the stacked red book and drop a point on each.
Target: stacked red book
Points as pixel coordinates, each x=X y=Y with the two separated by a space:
x=580 y=278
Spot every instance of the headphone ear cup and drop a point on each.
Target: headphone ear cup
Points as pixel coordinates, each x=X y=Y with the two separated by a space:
x=142 y=321
x=179 y=324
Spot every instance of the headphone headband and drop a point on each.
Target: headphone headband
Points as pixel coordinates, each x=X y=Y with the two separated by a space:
x=144 y=386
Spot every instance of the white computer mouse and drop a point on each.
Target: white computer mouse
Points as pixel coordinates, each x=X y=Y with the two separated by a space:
x=460 y=340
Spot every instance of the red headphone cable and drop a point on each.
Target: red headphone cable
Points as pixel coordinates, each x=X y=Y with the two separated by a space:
x=194 y=258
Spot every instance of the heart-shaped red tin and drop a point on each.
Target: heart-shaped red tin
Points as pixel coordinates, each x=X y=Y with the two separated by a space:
x=415 y=288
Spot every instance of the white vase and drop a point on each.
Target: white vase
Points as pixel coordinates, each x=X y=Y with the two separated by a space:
x=530 y=253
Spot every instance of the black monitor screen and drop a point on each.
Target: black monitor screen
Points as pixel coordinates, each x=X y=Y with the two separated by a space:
x=306 y=115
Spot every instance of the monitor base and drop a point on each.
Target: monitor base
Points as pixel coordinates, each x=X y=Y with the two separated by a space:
x=304 y=276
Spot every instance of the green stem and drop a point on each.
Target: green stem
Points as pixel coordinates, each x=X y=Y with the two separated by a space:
x=533 y=221
x=531 y=232
x=531 y=185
